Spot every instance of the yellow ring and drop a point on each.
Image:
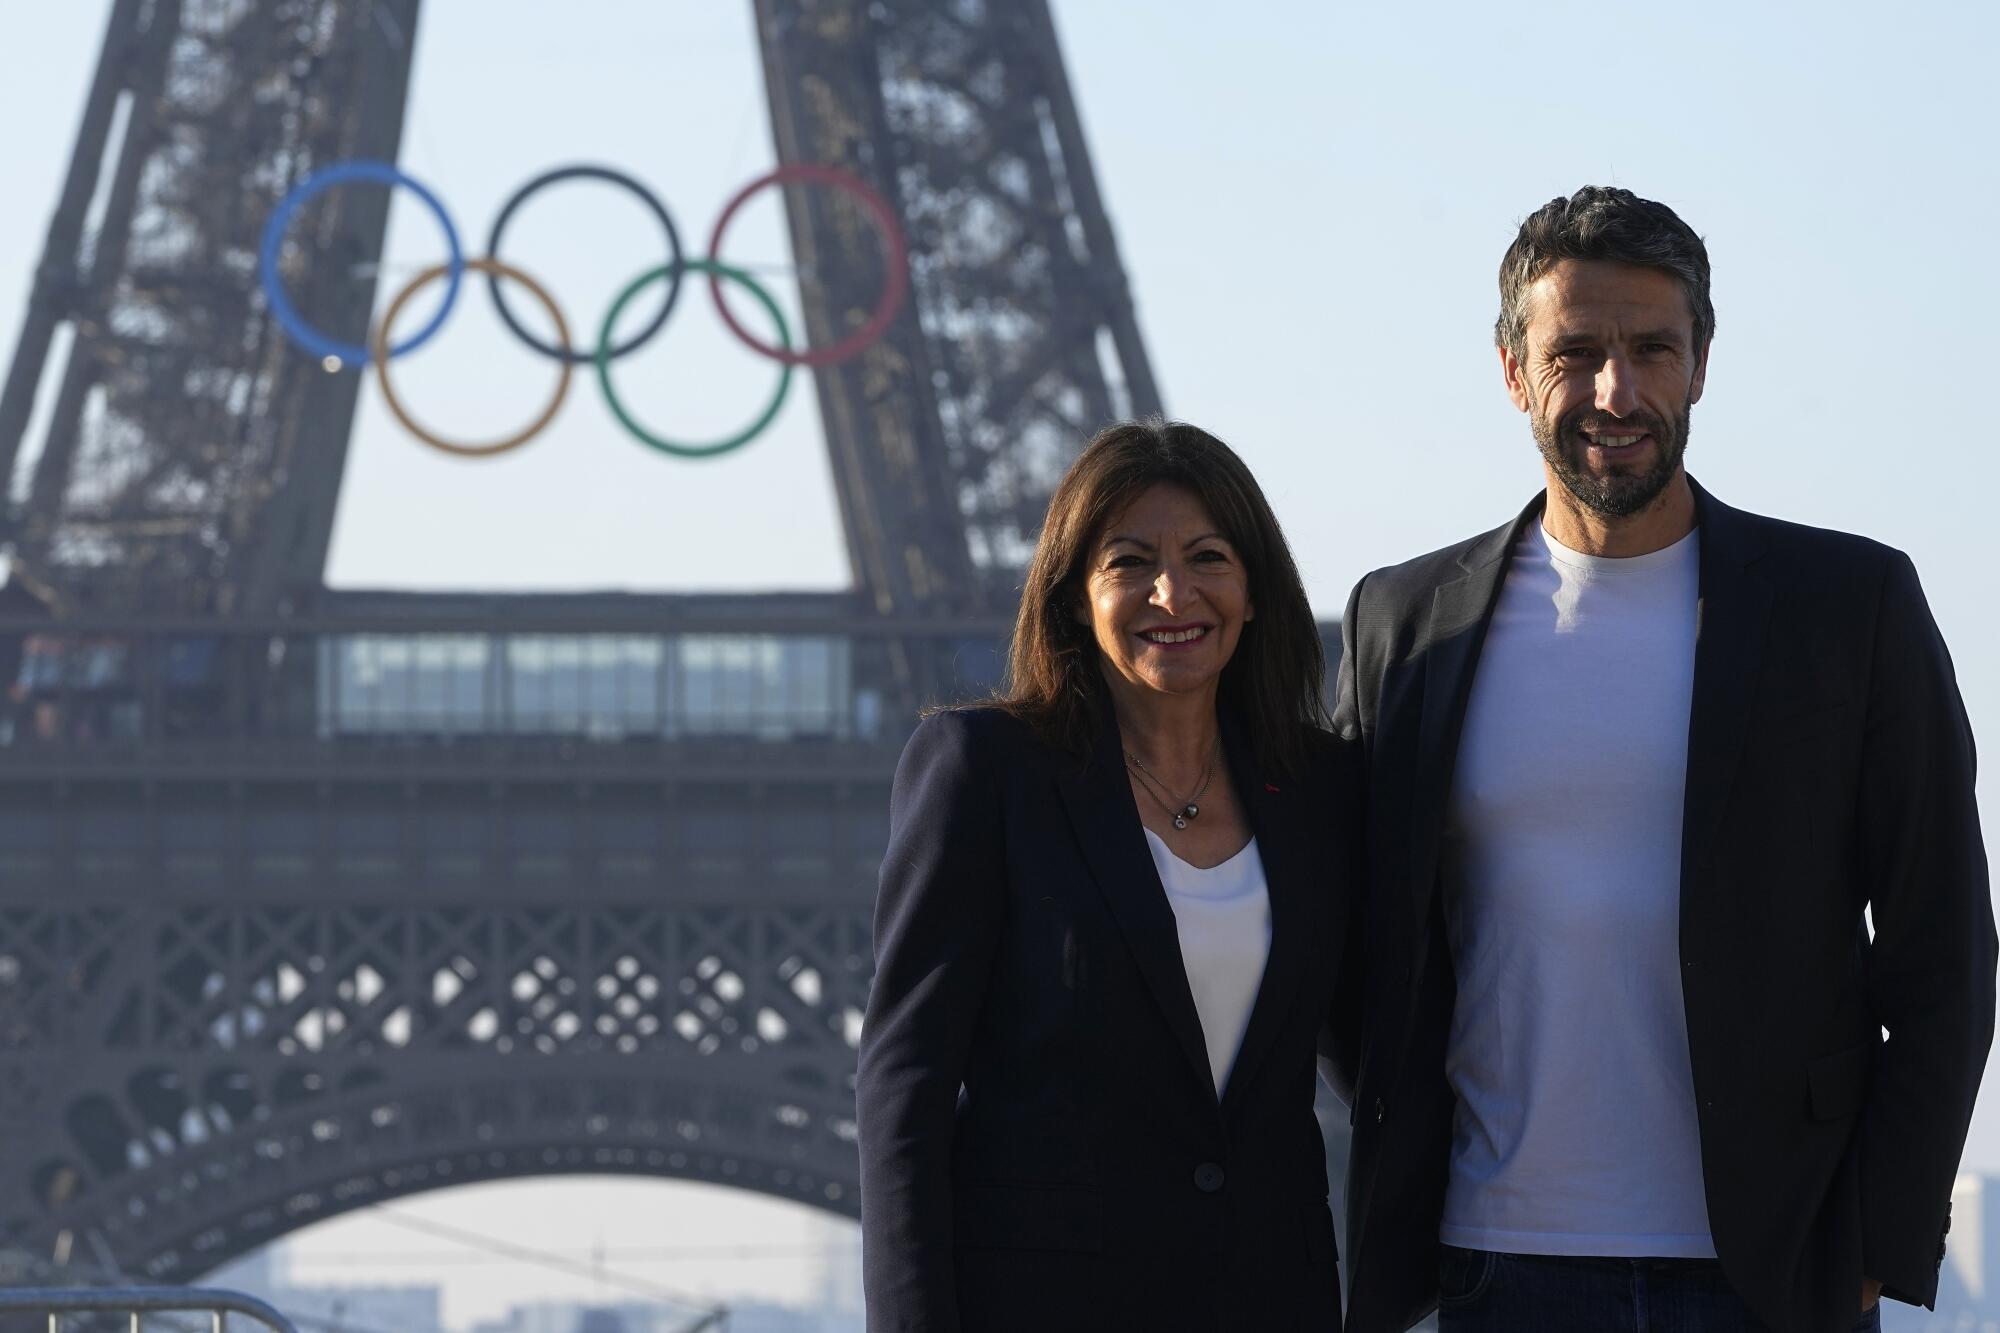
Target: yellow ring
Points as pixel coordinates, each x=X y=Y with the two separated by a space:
x=379 y=348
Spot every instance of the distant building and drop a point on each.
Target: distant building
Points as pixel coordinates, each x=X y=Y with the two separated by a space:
x=360 y=1309
x=578 y=1317
x=600 y=1319
x=639 y=1317
x=1969 y=1283
x=780 y=1319
x=332 y=1309
x=840 y=1267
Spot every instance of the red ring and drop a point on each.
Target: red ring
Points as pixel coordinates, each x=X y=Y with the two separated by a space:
x=897 y=260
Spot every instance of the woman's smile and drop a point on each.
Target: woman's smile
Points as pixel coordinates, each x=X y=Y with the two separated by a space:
x=1175 y=636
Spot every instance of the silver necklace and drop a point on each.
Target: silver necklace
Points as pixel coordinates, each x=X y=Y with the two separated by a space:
x=1187 y=809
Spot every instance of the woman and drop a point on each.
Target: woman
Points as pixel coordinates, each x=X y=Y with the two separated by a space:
x=1106 y=936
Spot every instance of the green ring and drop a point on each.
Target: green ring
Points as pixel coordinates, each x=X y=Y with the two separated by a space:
x=675 y=447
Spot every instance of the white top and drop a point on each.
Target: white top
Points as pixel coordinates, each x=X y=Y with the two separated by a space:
x=1223 y=915
x=1575 y=1128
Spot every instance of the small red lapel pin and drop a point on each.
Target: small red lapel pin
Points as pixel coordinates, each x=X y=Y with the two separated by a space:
x=1269 y=788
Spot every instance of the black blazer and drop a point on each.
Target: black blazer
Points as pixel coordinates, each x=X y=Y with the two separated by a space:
x=1041 y=1144
x=1830 y=767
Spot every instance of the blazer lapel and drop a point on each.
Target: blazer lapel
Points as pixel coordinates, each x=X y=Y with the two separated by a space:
x=1460 y=612
x=1733 y=614
x=1291 y=878
x=1106 y=821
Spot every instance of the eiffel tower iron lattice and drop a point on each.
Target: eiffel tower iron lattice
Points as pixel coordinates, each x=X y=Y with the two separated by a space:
x=310 y=899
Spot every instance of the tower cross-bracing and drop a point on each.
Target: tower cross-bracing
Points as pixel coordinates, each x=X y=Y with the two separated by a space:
x=313 y=898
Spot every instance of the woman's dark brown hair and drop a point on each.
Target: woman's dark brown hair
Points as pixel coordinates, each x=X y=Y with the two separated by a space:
x=1271 y=684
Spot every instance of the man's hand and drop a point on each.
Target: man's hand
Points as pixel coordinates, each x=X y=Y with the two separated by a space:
x=1871 y=1294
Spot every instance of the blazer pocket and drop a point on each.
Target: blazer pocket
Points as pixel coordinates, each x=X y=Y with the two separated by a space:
x=1030 y=1217
x=1839 y=1082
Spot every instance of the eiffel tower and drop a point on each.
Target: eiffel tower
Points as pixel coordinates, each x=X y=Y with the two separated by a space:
x=313 y=898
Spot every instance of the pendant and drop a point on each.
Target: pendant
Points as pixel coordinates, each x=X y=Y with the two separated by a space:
x=1180 y=821
x=1192 y=810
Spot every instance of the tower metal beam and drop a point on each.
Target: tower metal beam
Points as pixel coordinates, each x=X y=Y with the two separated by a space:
x=312 y=898
x=193 y=459
x=948 y=439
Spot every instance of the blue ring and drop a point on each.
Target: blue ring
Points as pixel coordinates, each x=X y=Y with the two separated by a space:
x=352 y=356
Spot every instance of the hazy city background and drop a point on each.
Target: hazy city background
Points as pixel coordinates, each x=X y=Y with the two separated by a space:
x=1311 y=200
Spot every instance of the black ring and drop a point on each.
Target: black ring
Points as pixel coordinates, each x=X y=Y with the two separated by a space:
x=584 y=356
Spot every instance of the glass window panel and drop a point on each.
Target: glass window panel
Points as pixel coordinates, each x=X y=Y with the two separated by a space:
x=388 y=683
x=977 y=666
x=641 y=660
x=546 y=674
x=41 y=663
x=606 y=686
x=603 y=696
x=448 y=681
x=563 y=692
x=527 y=672
x=768 y=686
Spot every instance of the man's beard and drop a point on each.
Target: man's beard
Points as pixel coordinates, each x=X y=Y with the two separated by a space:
x=1616 y=494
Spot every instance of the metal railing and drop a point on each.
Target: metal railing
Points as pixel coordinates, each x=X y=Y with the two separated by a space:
x=138 y=1302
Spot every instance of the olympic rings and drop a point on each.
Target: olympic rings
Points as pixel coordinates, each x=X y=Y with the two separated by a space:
x=494 y=271
x=646 y=197
x=896 y=264
x=715 y=272
x=346 y=355
x=381 y=349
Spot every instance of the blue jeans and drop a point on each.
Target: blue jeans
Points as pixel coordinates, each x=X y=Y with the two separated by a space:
x=1481 y=1292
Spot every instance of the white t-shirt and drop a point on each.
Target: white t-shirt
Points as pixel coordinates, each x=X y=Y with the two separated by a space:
x=1223 y=914
x=1575 y=1129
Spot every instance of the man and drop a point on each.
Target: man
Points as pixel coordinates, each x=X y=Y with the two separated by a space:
x=1639 y=764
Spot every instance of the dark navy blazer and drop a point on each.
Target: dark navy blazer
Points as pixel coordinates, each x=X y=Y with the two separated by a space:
x=1830 y=769
x=1042 y=1147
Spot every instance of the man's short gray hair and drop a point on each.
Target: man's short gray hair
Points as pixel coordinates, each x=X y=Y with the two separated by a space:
x=1607 y=223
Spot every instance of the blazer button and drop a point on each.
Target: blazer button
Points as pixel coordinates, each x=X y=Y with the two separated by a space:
x=1208 y=1177
x=1379 y=1110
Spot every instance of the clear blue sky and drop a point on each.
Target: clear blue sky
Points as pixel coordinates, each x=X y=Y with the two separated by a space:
x=1311 y=199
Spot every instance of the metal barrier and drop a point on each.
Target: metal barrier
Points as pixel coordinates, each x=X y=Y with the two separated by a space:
x=138 y=1302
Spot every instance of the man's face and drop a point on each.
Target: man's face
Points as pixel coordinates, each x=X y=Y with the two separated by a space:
x=1607 y=373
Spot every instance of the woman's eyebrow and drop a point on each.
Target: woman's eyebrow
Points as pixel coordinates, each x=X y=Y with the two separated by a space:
x=1147 y=546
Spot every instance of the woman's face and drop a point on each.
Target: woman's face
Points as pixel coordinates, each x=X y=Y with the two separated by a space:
x=1165 y=594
